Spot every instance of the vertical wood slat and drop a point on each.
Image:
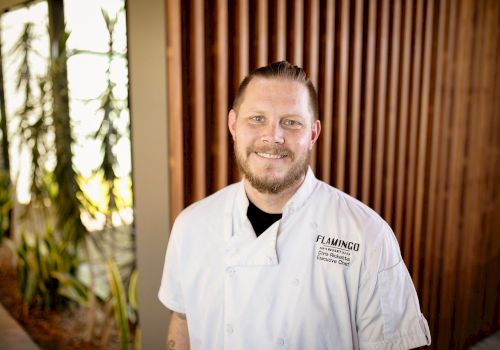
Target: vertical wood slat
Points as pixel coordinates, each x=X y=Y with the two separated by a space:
x=403 y=112
x=491 y=242
x=422 y=142
x=340 y=136
x=325 y=141
x=392 y=111
x=312 y=42
x=475 y=175
x=297 y=36
x=356 y=99
x=198 y=98
x=262 y=32
x=454 y=235
x=389 y=105
x=444 y=168
x=369 y=98
x=381 y=104
x=472 y=176
x=175 y=109
x=412 y=147
x=312 y=53
x=279 y=51
x=432 y=246
x=221 y=106
x=243 y=37
x=463 y=284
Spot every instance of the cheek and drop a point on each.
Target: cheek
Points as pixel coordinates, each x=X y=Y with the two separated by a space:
x=302 y=142
x=246 y=137
x=242 y=143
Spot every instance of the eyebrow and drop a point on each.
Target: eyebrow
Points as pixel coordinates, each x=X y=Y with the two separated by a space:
x=291 y=115
x=287 y=115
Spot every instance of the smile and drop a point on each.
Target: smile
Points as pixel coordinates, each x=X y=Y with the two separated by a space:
x=270 y=156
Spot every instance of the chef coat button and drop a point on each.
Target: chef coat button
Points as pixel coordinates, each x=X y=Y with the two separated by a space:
x=296 y=282
x=230 y=270
x=281 y=341
x=229 y=329
x=270 y=259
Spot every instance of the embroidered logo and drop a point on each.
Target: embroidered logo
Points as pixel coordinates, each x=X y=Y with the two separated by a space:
x=335 y=250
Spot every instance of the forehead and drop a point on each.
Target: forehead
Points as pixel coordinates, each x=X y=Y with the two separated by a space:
x=276 y=94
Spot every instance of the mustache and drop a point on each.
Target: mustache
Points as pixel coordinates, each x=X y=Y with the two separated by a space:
x=274 y=150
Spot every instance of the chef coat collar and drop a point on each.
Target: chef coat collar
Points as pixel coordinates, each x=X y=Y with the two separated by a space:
x=294 y=203
x=242 y=247
x=300 y=197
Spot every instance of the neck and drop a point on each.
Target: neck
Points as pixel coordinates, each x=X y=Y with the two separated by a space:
x=272 y=203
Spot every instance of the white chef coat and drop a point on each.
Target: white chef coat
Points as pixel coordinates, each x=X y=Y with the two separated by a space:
x=328 y=275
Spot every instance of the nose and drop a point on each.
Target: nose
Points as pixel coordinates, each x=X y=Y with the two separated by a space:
x=273 y=133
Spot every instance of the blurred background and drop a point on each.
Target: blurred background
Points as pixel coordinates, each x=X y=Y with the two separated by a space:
x=104 y=98
x=66 y=195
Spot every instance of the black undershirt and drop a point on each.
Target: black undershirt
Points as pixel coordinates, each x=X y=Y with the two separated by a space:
x=259 y=219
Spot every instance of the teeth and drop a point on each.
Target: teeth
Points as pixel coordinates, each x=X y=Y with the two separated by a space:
x=270 y=156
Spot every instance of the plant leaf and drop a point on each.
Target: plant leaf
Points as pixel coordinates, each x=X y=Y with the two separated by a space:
x=120 y=305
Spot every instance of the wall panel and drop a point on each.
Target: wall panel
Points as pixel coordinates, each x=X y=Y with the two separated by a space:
x=409 y=100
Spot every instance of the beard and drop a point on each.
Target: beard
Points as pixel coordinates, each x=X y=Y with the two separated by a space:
x=272 y=184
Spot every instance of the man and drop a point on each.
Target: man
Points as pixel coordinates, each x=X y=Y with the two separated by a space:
x=281 y=259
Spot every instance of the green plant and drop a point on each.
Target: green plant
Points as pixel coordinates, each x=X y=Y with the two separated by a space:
x=48 y=263
x=45 y=128
x=123 y=304
x=5 y=203
x=134 y=306
x=43 y=270
x=109 y=110
x=69 y=194
x=72 y=288
x=119 y=302
x=4 y=144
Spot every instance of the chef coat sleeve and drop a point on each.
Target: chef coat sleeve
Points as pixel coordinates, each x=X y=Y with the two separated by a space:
x=170 y=293
x=388 y=313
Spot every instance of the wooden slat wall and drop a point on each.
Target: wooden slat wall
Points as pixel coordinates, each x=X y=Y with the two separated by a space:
x=409 y=94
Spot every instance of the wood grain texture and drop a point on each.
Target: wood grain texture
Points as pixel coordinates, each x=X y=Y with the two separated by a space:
x=403 y=113
x=368 y=102
x=355 y=106
x=382 y=61
x=175 y=107
x=296 y=37
x=433 y=243
x=423 y=134
x=392 y=111
x=411 y=157
x=326 y=94
x=343 y=74
x=197 y=99
x=221 y=105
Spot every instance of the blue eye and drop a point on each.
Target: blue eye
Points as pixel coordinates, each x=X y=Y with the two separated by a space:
x=257 y=119
x=291 y=123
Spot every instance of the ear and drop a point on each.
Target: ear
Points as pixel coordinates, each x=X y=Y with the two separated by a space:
x=315 y=131
x=231 y=122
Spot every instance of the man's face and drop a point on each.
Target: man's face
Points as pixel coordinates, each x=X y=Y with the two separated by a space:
x=273 y=132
